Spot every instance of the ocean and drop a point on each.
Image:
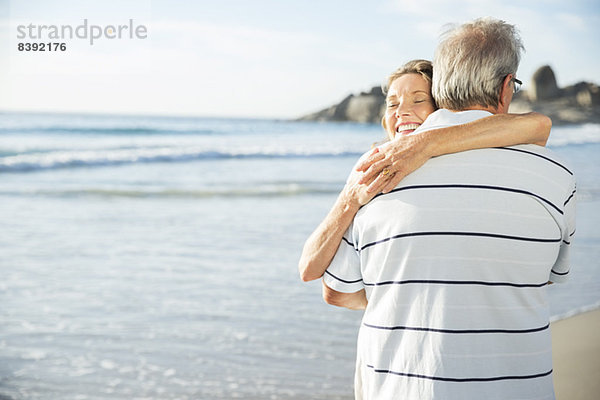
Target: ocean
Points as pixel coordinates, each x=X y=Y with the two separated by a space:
x=156 y=257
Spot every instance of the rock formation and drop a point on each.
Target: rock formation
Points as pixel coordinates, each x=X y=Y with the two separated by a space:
x=576 y=104
x=365 y=107
x=543 y=85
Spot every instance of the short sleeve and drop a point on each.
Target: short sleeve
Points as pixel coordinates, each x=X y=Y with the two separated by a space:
x=562 y=266
x=344 y=273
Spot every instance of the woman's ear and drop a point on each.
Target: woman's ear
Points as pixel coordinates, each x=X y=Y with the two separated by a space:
x=389 y=134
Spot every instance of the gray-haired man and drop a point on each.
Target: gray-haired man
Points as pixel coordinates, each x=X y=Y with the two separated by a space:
x=455 y=261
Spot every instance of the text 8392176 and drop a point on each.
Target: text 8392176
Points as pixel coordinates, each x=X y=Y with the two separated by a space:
x=50 y=46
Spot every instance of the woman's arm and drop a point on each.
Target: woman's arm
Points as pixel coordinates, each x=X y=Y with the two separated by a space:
x=323 y=243
x=353 y=301
x=405 y=154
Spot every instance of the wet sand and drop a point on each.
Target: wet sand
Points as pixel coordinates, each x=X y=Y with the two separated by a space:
x=576 y=356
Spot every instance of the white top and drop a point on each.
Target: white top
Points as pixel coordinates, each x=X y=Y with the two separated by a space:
x=455 y=262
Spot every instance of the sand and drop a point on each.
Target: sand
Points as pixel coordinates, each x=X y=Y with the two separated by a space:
x=576 y=356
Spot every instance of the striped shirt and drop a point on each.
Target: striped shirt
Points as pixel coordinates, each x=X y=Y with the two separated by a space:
x=455 y=263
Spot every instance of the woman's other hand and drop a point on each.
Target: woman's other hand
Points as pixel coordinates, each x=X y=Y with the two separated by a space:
x=389 y=163
x=355 y=193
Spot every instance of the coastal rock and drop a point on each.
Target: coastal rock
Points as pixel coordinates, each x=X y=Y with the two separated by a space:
x=365 y=107
x=575 y=104
x=543 y=84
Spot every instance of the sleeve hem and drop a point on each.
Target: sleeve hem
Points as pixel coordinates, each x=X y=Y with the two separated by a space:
x=340 y=286
x=556 y=278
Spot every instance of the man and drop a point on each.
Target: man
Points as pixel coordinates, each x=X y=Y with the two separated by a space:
x=455 y=261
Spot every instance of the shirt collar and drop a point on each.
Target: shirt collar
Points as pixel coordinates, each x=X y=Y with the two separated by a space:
x=443 y=118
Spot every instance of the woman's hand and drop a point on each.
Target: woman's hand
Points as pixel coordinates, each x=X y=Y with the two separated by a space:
x=355 y=193
x=388 y=164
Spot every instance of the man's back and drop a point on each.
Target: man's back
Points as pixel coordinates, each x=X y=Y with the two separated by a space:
x=455 y=262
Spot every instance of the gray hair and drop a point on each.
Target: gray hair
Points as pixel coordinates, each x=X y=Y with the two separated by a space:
x=471 y=62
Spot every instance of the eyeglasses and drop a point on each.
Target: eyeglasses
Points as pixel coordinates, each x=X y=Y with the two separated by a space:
x=517 y=85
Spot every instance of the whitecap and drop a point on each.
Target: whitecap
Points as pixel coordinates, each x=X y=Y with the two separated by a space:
x=34 y=355
x=108 y=364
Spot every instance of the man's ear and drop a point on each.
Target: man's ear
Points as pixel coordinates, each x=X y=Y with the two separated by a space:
x=506 y=94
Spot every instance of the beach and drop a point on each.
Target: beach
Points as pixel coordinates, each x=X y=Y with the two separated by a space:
x=156 y=258
x=576 y=356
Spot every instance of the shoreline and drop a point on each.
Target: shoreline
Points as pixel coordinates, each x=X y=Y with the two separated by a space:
x=575 y=312
x=576 y=356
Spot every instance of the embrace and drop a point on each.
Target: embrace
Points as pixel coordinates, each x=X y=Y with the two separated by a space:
x=449 y=233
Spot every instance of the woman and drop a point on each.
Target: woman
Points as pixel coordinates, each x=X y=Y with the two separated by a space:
x=408 y=103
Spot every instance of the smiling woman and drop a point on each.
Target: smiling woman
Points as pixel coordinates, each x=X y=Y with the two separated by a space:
x=408 y=101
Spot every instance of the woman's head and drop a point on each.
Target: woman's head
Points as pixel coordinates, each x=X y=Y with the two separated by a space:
x=408 y=98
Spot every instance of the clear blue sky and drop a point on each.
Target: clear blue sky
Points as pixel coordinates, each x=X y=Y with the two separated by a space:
x=262 y=58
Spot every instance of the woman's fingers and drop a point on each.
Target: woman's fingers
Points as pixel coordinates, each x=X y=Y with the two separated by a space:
x=393 y=182
x=375 y=156
x=373 y=171
x=386 y=183
x=379 y=183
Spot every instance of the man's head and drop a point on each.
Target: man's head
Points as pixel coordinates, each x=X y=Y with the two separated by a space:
x=475 y=66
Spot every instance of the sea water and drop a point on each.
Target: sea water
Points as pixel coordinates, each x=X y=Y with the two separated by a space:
x=156 y=258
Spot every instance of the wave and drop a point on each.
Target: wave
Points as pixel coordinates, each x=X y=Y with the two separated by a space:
x=265 y=190
x=574 y=135
x=99 y=158
x=122 y=131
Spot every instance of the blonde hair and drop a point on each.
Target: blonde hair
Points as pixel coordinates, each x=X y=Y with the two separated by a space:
x=420 y=67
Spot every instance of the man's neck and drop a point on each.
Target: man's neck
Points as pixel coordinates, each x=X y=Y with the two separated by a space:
x=493 y=110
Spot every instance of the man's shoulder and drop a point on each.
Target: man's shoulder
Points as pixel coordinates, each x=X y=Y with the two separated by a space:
x=521 y=164
x=524 y=154
x=522 y=151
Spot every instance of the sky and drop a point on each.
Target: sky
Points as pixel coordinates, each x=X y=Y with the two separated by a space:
x=260 y=58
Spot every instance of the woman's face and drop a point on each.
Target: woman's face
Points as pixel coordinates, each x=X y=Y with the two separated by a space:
x=408 y=103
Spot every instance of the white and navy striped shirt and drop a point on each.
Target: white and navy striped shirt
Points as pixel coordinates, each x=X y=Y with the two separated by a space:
x=455 y=262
